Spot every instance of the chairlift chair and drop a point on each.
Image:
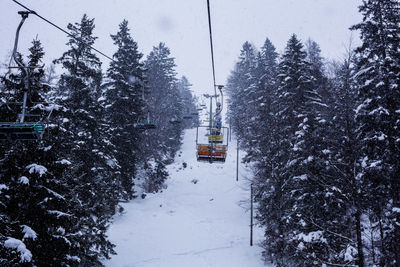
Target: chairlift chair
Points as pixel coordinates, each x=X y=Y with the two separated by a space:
x=212 y=149
x=22 y=130
x=26 y=131
x=147 y=125
x=175 y=121
x=209 y=153
x=144 y=125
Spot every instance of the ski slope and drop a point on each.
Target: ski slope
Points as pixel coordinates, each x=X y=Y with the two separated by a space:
x=203 y=224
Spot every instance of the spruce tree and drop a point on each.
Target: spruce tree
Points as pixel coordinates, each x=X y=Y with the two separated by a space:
x=259 y=104
x=240 y=88
x=85 y=145
x=189 y=109
x=343 y=154
x=124 y=106
x=300 y=162
x=37 y=222
x=377 y=116
x=165 y=103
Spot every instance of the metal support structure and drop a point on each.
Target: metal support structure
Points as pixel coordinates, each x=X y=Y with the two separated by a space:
x=237 y=160
x=251 y=215
x=230 y=130
x=25 y=70
x=211 y=123
x=147 y=124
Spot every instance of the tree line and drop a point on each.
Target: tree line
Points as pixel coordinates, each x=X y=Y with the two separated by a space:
x=323 y=141
x=58 y=195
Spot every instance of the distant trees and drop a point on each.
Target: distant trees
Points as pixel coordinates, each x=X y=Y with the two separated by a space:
x=165 y=102
x=169 y=99
x=324 y=147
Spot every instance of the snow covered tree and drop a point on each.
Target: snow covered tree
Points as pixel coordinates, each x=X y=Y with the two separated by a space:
x=85 y=145
x=240 y=88
x=378 y=117
x=343 y=155
x=37 y=219
x=165 y=104
x=298 y=191
x=124 y=106
x=189 y=109
x=316 y=62
x=261 y=142
x=156 y=174
x=259 y=103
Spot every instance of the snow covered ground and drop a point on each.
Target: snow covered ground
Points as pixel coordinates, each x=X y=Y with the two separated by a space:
x=203 y=224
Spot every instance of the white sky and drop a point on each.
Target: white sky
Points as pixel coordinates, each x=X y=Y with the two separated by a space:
x=183 y=26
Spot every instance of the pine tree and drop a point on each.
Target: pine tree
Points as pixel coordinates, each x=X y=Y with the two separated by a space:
x=37 y=222
x=343 y=153
x=262 y=142
x=165 y=104
x=316 y=62
x=85 y=145
x=156 y=174
x=124 y=106
x=300 y=163
x=264 y=87
x=378 y=120
x=240 y=88
x=189 y=109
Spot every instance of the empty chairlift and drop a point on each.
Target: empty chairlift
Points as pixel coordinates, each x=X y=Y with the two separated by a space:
x=22 y=129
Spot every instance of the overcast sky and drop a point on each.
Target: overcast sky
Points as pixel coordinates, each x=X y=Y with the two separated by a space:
x=183 y=26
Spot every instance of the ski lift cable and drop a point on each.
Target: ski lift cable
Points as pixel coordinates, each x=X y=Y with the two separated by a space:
x=211 y=45
x=61 y=29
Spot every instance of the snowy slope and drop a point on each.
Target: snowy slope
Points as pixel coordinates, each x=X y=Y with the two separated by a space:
x=203 y=224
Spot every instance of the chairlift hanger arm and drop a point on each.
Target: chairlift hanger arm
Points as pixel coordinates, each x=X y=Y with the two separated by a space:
x=24 y=15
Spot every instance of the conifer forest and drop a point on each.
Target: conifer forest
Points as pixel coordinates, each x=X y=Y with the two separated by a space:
x=86 y=134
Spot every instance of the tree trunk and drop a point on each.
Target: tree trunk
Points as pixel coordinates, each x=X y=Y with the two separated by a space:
x=359 y=239
x=372 y=244
x=382 y=260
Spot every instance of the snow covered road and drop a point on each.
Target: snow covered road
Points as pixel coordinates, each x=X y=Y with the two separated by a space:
x=203 y=224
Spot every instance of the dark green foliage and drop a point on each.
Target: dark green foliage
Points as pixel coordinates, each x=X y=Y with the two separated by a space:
x=35 y=209
x=124 y=107
x=189 y=111
x=156 y=174
x=378 y=117
x=305 y=146
x=240 y=88
x=57 y=195
x=169 y=101
x=165 y=105
x=85 y=146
